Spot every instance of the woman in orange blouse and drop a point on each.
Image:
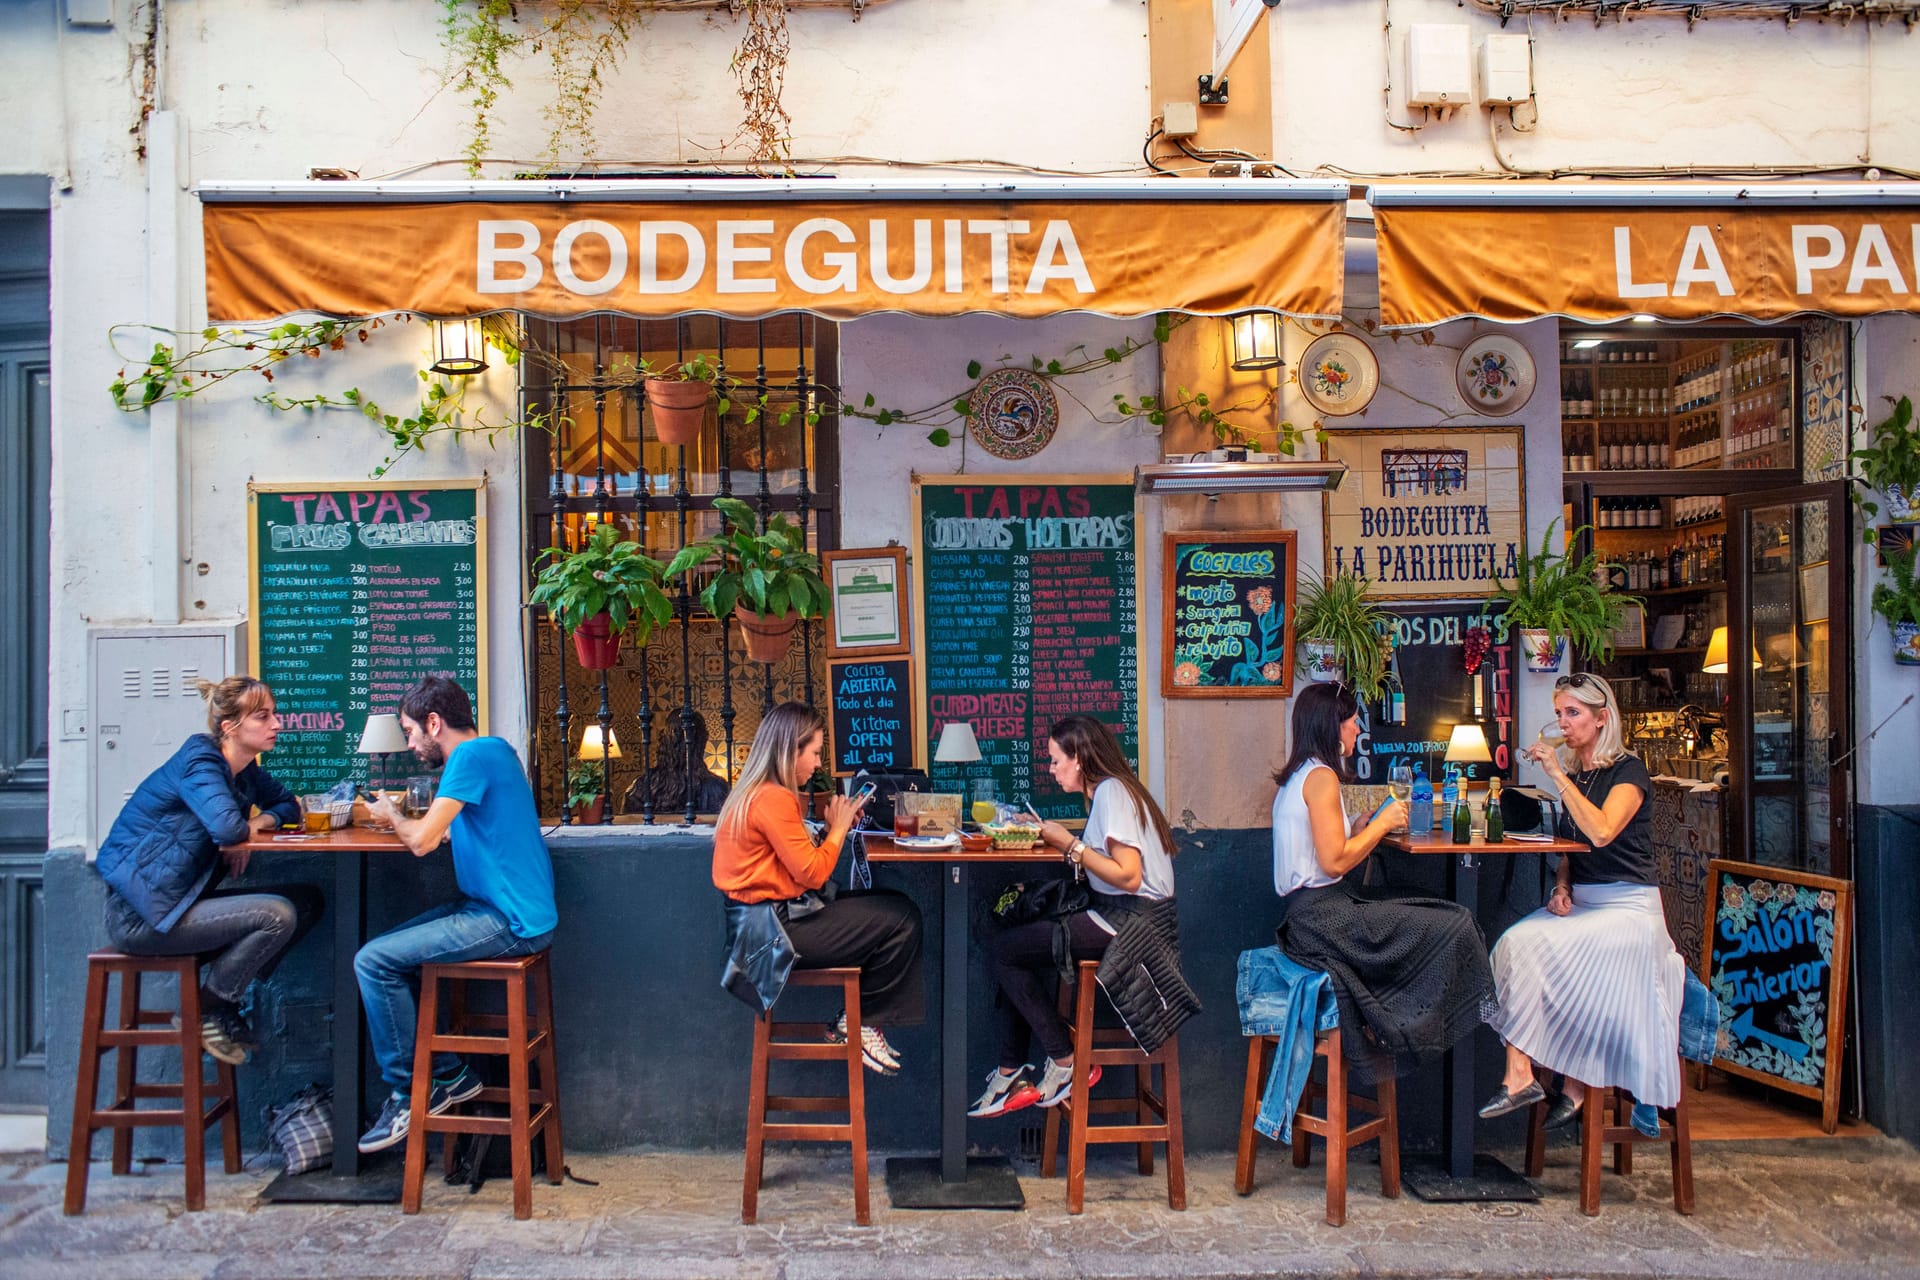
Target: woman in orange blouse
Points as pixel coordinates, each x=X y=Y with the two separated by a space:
x=762 y=852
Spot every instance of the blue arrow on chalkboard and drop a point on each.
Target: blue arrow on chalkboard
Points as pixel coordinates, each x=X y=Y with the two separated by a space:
x=1743 y=1028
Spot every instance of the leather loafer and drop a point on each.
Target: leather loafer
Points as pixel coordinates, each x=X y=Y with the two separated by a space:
x=1502 y=1102
x=1561 y=1111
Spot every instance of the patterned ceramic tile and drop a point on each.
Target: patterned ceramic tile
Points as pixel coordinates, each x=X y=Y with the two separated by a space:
x=1825 y=391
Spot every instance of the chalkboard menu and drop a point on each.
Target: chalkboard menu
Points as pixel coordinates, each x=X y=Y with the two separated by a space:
x=1430 y=648
x=1228 y=615
x=357 y=591
x=1776 y=960
x=1028 y=586
x=872 y=718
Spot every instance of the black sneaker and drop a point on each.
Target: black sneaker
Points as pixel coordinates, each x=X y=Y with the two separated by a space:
x=391 y=1125
x=451 y=1093
x=219 y=1042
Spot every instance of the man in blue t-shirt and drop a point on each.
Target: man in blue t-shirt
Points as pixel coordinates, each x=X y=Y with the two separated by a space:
x=506 y=905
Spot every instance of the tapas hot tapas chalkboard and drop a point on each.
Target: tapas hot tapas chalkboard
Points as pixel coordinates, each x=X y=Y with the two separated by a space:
x=1228 y=615
x=1776 y=960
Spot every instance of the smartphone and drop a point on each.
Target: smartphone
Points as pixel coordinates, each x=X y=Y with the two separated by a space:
x=866 y=792
x=1026 y=806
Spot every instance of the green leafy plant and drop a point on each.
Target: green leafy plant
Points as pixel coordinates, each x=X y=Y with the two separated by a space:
x=585 y=780
x=1337 y=611
x=609 y=574
x=1898 y=599
x=697 y=367
x=1891 y=460
x=1554 y=592
x=769 y=571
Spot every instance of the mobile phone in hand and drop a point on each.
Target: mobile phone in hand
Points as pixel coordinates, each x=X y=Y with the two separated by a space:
x=865 y=793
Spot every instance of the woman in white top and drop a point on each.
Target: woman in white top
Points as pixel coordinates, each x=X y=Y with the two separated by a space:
x=1127 y=852
x=1410 y=974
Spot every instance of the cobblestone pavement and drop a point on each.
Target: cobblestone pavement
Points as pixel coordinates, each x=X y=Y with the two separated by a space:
x=1791 y=1210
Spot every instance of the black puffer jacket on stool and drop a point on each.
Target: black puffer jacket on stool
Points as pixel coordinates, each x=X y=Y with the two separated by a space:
x=1141 y=969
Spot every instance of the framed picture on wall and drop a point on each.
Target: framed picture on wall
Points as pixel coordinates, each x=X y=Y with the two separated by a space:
x=1630 y=632
x=867 y=605
x=1813 y=592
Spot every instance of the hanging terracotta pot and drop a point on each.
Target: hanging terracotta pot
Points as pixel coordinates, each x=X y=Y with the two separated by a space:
x=766 y=638
x=679 y=408
x=596 y=643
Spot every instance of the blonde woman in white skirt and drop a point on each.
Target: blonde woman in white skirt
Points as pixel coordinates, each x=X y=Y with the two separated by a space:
x=1589 y=986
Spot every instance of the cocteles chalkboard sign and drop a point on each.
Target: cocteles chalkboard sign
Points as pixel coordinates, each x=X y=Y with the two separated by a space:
x=1028 y=587
x=356 y=592
x=1776 y=959
x=1227 y=615
x=1430 y=651
x=872 y=717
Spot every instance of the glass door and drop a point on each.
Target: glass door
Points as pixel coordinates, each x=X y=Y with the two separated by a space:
x=1789 y=603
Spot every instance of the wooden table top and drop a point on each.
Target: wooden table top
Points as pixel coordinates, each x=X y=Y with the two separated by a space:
x=883 y=849
x=1434 y=842
x=343 y=840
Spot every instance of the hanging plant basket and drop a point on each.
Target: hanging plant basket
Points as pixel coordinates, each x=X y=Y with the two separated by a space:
x=596 y=643
x=1906 y=643
x=767 y=638
x=1320 y=659
x=1902 y=501
x=679 y=408
x=1544 y=650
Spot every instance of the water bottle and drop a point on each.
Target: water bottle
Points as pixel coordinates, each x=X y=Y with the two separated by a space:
x=1449 y=798
x=1420 y=815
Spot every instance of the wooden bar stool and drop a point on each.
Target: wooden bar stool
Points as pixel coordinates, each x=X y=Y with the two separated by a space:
x=193 y=1117
x=1114 y=1047
x=807 y=1042
x=1333 y=1127
x=528 y=1038
x=1596 y=1131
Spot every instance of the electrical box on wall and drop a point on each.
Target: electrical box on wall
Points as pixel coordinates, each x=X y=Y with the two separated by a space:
x=1439 y=72
x=1506 y=70
x=144 y=703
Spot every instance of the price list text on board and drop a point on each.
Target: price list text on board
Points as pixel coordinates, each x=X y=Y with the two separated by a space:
x=357 y=593
x=1029 y=595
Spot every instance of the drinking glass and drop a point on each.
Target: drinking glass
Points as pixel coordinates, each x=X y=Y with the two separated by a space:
x=906 y=824
x=984 y=809
x=1400 y=786
x=419 y=797
x=319 y=817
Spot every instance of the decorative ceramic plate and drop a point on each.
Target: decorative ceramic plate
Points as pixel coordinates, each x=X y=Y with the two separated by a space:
x=1339 y=374
x=927 y=842
x=1495 y=375
x=1012 y=413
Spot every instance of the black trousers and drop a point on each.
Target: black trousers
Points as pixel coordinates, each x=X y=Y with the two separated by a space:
x=1021 y=960
x=878 y=931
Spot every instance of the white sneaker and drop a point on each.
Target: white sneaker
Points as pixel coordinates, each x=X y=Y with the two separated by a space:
x=1056 y=1082
x=1005 y=1093
x=879 y=1056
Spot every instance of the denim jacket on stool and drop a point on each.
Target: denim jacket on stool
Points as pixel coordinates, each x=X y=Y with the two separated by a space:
x=1282 y=998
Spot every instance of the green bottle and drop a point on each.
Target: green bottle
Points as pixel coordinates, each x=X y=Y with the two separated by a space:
x=1496 y=821
x=1463 y=817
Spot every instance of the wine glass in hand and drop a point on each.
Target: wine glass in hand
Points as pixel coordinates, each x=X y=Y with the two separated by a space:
x=1400 y=785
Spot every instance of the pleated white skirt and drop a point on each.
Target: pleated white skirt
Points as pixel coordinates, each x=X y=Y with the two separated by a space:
x=1596 y=993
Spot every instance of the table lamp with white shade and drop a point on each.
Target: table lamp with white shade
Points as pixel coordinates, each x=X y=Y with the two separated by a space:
x=1468 y=745
x=592 y=747
x=382 y=737
x=957 y=744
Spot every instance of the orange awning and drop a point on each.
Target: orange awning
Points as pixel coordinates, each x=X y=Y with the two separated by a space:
x=746 y=248
x=1682 y=251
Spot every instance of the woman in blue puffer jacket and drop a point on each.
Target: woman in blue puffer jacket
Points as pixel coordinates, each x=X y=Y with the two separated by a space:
x=163 y=861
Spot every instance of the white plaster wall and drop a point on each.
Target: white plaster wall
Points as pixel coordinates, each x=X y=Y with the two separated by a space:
x=1642 y=93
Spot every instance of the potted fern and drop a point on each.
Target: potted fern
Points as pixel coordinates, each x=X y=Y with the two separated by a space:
x=1898 y=601
x=1556 y=600
x=1891 y=464
x=767 y=580
x=1339 y=633
x=677 y=397
x=586 y=802
x=606 y=588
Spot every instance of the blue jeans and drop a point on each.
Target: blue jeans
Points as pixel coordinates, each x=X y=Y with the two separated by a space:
x=389 y=971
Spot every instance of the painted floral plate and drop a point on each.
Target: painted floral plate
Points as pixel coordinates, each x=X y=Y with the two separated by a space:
x=1495 y=375
x=1339 y=374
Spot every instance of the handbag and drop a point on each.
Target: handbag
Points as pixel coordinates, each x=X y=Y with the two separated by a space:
x=303 y=1129
x=1047 y=900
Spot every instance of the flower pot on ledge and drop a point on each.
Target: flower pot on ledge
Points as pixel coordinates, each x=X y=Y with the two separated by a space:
x=679 y=408
x=596 y=643
x=766 y=638
x=589 y=815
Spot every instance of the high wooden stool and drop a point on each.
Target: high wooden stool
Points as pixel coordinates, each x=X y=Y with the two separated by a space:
x=192 y=1116
x=807 y=1042
x=1596 y=1131
x=1114 y=1047
x=1333 y=1127
x=528 y=1038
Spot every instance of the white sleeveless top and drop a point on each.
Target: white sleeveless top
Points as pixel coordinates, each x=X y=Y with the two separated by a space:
x=1296 y=865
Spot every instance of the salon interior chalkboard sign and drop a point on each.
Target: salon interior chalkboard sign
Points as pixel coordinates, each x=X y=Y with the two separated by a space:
x=1430 y=652
x=1227 y=615
x=1776 y=960
x=872 y=720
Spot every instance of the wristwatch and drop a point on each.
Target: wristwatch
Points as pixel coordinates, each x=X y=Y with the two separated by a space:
x=1077 y=851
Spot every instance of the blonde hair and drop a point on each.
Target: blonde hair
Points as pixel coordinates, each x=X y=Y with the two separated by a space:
x=771 y=759
x=234 y=698
x=1597 y=694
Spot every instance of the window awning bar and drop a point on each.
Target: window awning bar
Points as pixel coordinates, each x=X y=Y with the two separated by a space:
x=1639 y=195
x=770 y=191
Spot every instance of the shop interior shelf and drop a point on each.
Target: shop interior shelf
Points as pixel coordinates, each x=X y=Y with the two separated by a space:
x=1658 y=653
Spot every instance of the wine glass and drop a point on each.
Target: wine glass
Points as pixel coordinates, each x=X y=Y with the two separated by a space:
x=1400 y=785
